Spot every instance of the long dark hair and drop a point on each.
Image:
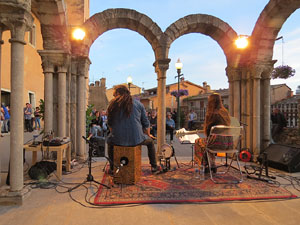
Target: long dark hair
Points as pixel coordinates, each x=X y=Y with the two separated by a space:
x=122 y=101
x=215 y=109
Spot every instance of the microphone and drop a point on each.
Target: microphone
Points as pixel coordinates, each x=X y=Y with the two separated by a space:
x=84 y=138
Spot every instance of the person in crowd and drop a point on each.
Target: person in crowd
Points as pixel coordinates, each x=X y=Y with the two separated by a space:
x=216 y=114
x=174 y=116
x=278 y=123
x=96 y=126
x=27 y=116
x=192 y=117
x=153 y=123
x=1 y=120
x=37 y=118
x=104 y=122
x=129 y=125
x=170 y=125
x=6 y=118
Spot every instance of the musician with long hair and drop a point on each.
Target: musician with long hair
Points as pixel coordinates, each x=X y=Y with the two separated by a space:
x=129 y=125
x=216 y=114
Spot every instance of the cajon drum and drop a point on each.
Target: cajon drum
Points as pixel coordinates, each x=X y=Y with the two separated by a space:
x=130 y=158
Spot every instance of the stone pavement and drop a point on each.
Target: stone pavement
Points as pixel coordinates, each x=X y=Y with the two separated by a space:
x=46 y=206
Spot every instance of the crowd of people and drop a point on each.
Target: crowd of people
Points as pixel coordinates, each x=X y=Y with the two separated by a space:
x=32 y=118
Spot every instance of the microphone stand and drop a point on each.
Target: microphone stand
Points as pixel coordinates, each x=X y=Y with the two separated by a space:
x=89 y=177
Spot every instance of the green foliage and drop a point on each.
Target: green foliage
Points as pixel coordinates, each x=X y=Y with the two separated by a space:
x=42 y=108
x=89 y=118
x=283 y=72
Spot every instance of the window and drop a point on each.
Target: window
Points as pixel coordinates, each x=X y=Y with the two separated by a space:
x=32 y=99
x=32 y=36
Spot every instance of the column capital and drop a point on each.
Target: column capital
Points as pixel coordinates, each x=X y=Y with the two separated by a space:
x=17 y=18
x=53 y=60
x=261 y=69
x=83 y=66
x=161 y=66
x=233 y=73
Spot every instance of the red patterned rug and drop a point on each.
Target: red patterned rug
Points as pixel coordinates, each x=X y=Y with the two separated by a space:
x=181 y=186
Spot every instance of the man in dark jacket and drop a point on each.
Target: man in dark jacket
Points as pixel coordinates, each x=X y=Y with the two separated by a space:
x=278 y=122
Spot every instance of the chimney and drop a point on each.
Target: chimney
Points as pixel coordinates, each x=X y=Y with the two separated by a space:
x=204 y=84
x=97 y=83
x=102 y=82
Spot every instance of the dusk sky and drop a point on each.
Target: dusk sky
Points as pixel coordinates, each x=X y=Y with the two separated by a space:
x=119 y=53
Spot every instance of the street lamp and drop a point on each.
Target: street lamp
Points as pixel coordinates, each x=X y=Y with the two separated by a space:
x=178 y=66
x=129 y=82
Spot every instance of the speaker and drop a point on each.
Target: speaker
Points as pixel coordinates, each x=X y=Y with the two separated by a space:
x=283 y=157
x=97 y=146
x=128 y=159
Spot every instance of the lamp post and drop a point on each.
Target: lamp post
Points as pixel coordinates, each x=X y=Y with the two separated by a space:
x=178 y=66
x=129 y=82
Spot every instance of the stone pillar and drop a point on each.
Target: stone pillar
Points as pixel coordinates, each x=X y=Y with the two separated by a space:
x=68 y=104
x=62 y=117
x=161 y=67
x=73 y=106
x=256 y=76
x=266 y=98
x=48 y=70
x=234 y=78
x=16 y=109
x=52 y=60
x=82 y=75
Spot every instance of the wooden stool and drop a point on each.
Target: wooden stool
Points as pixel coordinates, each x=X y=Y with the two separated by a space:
x=130 y=157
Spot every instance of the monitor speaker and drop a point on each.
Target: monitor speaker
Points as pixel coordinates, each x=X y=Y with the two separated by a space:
x=283 y=157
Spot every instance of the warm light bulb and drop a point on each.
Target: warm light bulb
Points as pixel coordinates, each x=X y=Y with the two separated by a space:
x=241 y=42
x=129 y=80
x=78 y=34
x=178 y=64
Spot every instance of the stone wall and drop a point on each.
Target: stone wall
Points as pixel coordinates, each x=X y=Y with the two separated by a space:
x=290 y=136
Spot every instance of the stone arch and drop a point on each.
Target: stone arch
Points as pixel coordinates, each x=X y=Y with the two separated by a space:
x=268 y=26
x=208 y=25
x=123 y=18
x=53 y=20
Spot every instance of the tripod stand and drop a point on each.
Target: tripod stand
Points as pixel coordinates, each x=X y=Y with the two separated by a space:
x=89 y=177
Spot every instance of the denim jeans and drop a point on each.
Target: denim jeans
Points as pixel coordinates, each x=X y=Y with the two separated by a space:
x=96 y=130
x=37 y=121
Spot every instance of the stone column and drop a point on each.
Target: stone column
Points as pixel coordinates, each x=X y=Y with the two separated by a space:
x=52 y=60
x=16 y=107
x=256 y=76
x=234 y=78
x=161 y=67
x=82 y=75
x=48 y=70
x=266 y=98
x=62 y=89
x=73 y=107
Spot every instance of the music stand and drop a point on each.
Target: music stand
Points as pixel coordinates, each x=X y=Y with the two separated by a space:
x=89 y=177
x=189 y=139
